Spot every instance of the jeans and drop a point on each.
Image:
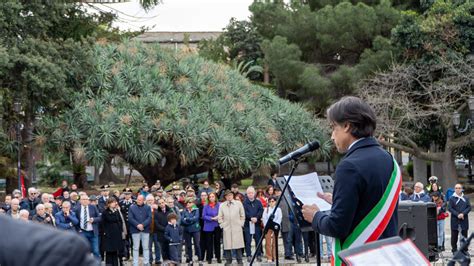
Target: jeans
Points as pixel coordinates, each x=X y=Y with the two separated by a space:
x=154 y=241
x=195 y=236
x=145 y=239
x=93 y=241
x=287 y=243
x=248 y=239
x=328 y=245
x=440 y=233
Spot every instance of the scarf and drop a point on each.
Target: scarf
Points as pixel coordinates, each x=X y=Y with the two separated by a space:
x=460 y=197
x=212 y=204
x=124 y=226
x=419 y=194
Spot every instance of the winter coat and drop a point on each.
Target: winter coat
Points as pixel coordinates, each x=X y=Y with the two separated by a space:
x=253 y=209
x=66 y=223
x=422 y=197
x=190 y=220
x=139 y=215
x=231 y=219
x=173 y=234
x=161 y=221
x=285 y=217
x=112 y=237
x=457 y=206
x=42 y=220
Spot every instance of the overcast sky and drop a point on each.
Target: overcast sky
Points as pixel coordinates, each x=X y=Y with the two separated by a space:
x=179 y=15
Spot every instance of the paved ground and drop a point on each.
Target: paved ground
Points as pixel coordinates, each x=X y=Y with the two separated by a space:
x=444 y=256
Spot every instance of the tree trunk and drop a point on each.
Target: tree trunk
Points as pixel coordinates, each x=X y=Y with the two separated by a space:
x=259 y=181
x=79 y=173
x=266 y=74
x=450 y=177
x=27 y=151
x=96 y=175
x=107 y=174
x=420 y=168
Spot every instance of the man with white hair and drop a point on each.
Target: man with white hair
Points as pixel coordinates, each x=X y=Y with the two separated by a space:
x=41 y=216
x=48 y=207
x=30 y=203
x=49 y=198
x=74 y=199
x=14 y=210
x=24 y=215
x=419 y=194
x=253 y=218
x=66 y=219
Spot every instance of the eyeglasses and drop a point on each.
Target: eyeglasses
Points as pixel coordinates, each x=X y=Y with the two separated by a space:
x=458 y=188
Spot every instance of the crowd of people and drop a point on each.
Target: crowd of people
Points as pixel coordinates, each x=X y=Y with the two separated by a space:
x=203 y=223
x=452 y=202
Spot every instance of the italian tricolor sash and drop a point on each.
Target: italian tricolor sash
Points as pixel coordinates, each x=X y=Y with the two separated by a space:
x=373 y=225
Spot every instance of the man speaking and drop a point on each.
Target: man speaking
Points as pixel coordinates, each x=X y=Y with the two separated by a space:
x=367 y=182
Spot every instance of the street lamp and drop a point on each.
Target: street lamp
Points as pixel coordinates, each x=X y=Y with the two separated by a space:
x=17 y=108
x=469 y=122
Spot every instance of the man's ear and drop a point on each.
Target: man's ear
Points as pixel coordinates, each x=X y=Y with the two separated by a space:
x=347 y=127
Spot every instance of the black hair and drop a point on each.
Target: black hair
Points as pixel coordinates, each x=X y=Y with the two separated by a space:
x=357 y=113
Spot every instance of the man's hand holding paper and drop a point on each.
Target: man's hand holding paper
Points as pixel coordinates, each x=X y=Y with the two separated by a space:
x=308 y=190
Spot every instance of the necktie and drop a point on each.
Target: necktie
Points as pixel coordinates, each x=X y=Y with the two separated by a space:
x=84 y=217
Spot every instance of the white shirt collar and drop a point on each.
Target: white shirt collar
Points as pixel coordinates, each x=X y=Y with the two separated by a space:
x=352 y=144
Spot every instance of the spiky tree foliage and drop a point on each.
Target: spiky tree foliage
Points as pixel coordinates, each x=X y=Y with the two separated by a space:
x=171 y=115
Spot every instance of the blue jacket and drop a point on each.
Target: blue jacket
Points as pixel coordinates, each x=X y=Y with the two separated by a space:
x=173 y=234
x=93 y=213
x=190 y=220
x=139 y=215
x=422 y=197
x=66 y=223
x=360 y=181
x=253 y=209
x=457 y=206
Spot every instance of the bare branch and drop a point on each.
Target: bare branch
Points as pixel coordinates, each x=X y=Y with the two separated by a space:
x=409 y=98
x=435 y=156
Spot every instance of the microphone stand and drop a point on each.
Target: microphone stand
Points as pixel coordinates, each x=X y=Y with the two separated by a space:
x=270 y=219
x=461 y=255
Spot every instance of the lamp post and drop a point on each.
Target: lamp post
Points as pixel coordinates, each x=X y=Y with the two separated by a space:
x=469 y=122
x=17 y=108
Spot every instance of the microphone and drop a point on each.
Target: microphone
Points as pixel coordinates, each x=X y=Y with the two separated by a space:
x=295 y=155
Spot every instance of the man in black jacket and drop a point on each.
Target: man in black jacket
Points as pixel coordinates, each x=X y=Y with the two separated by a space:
x=361 y=180
x=253 y=218
x=161 y=220
x=24 y=244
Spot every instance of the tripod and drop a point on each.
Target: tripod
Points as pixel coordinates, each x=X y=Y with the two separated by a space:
x=461 y=255
x=272 y=216
x=270 y=223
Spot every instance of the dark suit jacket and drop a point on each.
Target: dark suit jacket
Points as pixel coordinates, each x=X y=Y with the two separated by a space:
x=93 y=213
x=23 y=244
x=360 y=181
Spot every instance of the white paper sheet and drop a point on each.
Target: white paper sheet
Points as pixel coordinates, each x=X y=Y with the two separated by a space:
x=403 y=253
x=306 y=188
x=252 y=228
